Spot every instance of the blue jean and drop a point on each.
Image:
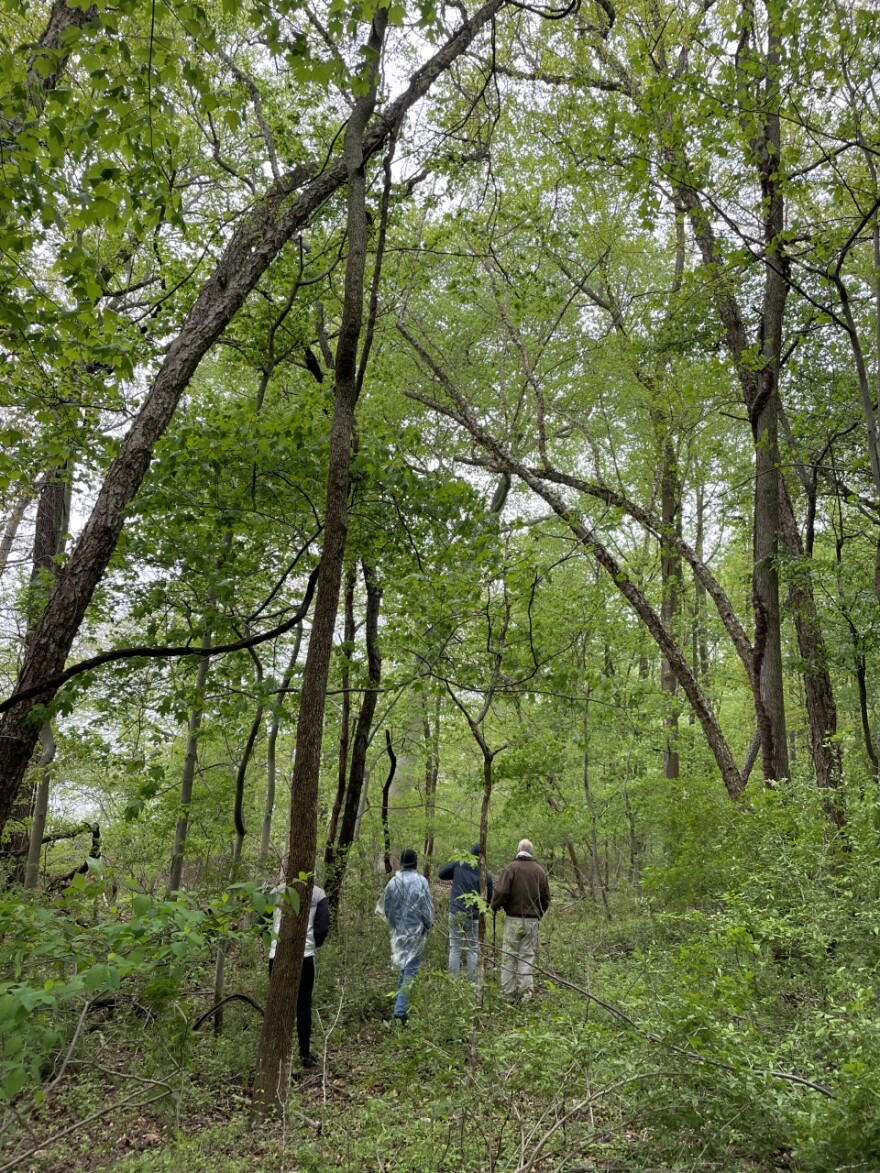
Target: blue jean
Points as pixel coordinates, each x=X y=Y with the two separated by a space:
x=404 y=985
x=464 y=931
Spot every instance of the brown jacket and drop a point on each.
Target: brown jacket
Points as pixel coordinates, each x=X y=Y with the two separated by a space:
x=522 y=889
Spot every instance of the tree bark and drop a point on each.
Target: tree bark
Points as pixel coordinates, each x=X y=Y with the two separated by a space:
x=273 y=1057
x=362 y=734
x=386 y=792
x=344 y=721
x=271 y=742
x=189 y=770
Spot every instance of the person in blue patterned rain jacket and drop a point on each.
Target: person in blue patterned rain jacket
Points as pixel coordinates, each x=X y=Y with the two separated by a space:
x=409 y=911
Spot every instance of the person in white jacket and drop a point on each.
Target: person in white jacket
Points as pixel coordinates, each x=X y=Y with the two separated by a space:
x=316 y=934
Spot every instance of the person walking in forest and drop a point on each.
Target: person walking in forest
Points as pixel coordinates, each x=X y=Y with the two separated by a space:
x=523 y=892
x=316 y=935
x=464 y=913
x=409 y=910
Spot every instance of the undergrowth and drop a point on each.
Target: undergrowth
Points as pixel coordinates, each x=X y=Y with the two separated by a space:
x=730 y=1028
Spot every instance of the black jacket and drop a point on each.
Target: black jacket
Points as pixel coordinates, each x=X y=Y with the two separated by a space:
x=465 y=882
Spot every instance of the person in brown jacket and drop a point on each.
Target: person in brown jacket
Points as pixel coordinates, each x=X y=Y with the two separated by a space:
x=523 y=892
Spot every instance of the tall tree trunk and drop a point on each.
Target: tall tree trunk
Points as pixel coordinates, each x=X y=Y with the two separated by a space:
x=765 y=590
x=344 y=720
x=386 y=792
x=53 y=515
x=189 y=769
x=10 y=530
x=431 y=741
x=670 y=575
x=273 y=1057
x=271 y=743
x=41 y=806
x=488 y=759
x=818 y=690
x=700 y=641
x=363 y=730
x=241 y=772
x=595 y=859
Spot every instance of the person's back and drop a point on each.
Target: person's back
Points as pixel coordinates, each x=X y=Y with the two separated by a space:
x=409 y=911
x=465 y=877
x=523 y=893
x=408 y=904
x=523 y=889
x=464 y=909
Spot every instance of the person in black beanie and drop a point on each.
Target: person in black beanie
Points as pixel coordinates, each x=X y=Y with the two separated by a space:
x=464 y=912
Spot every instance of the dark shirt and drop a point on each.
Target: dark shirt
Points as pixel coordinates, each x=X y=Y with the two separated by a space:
x=322 y=921
x=465 y=882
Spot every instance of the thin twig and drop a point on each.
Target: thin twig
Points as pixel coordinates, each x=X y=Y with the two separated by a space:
x=70 y=1049
x=16 y=1161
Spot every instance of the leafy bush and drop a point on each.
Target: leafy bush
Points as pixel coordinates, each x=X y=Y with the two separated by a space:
x=59 y=960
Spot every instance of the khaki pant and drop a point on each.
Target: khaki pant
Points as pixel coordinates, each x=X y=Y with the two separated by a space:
x=519 y=946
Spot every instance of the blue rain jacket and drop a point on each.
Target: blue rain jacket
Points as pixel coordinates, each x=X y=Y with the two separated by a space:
x=409 y=911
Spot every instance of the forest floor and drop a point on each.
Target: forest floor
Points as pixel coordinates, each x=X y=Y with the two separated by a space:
x=675 y=1073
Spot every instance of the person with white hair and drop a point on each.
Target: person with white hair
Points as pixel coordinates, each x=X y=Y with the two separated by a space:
x=522 y=891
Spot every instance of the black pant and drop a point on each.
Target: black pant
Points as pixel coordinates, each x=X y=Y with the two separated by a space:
x=303 y=1004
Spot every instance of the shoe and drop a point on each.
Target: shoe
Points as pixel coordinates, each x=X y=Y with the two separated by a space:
x=309 y=1061
x=399 y=1020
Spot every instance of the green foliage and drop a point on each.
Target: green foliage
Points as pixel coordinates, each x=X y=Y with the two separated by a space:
x=89 y=945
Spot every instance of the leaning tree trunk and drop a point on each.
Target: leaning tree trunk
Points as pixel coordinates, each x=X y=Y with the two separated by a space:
x=273 y=1057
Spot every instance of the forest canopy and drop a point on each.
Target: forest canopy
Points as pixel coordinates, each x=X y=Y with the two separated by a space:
x=427 y=426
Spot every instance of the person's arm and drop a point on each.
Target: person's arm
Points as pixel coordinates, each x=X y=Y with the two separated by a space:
x=545 y=892
x=322 y=921
x=447 y=872
x=501 y=893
